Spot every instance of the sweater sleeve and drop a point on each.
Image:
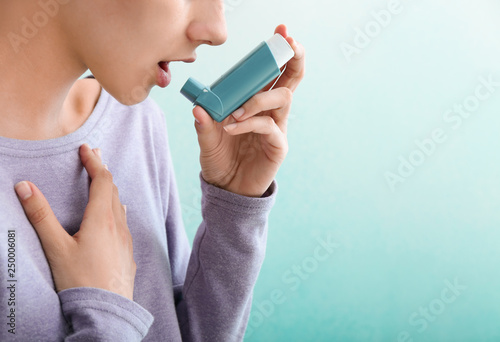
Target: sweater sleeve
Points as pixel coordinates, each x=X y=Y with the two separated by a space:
x=225 y=261
x=213 y=281
x=99 y=315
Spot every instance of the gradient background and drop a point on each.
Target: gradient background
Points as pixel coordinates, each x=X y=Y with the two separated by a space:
x=395 y=250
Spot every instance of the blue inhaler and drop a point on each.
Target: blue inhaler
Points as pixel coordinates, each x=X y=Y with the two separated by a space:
x=242 y=81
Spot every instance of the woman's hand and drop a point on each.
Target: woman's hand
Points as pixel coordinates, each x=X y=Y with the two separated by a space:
x=243 y=153
x=100 y=254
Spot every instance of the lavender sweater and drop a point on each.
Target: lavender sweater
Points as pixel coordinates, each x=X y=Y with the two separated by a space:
x=199 y=295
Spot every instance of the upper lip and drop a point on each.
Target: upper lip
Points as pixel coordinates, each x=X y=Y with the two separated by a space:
x=187 y=60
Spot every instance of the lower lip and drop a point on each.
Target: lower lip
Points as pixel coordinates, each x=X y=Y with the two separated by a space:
x=164 y=76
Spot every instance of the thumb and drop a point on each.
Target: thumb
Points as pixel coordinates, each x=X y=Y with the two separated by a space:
x=50 y=232
x=209 y=135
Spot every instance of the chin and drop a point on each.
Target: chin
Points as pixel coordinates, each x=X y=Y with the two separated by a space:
x=133 y=96
x=130 y=88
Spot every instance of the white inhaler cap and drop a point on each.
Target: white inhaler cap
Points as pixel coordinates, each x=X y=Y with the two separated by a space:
x=281 y=50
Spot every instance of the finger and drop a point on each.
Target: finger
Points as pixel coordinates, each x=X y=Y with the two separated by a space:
x=52 y=235
x=209 y=135
x=264 y=125
x=100 y=195
x=120 y=216
x=101 y=186
x=91 y=160
x=205 y=128
x=98 y=153
x=295 y=68
x=118 y=210
x=282 y=29
x=122 y=229
x=278 y=100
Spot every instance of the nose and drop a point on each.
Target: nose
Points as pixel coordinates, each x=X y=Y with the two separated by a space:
x=208 y=24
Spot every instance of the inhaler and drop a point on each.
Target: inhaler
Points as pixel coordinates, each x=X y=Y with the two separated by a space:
x=242 y=81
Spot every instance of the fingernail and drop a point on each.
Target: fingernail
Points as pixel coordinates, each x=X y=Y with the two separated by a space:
x=238 y=113
x=23 y=190
x=87 y=146
x=98 y=152
x=106 y=167
x=125 y=208
x=230 y=127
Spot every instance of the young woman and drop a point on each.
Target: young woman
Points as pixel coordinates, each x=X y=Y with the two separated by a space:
x=81 y=265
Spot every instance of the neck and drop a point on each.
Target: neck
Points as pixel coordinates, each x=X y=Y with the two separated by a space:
x=37 y=71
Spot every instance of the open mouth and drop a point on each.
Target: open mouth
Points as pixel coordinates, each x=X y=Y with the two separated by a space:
x=164 y=66
x=164 y=76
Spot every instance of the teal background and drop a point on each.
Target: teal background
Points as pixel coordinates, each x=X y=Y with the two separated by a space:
x=396 y=250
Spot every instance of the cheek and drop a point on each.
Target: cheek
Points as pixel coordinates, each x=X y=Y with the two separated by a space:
x=123 y=49
x=124 y=62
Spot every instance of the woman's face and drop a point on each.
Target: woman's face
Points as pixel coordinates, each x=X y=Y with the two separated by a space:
x=123 y=41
